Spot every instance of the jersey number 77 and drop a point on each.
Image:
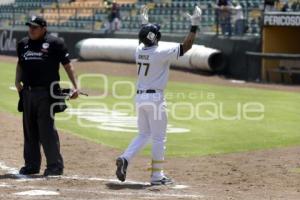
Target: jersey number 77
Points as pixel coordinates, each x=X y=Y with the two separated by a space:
x=140 y=65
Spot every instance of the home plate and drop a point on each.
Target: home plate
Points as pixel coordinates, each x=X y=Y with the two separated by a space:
x=37 y=193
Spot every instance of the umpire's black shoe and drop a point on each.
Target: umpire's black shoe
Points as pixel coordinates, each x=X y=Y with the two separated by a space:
x=55 y=171
x=122 y=165
x=28 y=170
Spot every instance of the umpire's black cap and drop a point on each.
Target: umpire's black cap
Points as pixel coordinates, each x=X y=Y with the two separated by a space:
x=36 y=21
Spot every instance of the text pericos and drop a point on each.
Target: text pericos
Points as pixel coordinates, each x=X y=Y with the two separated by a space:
x=282 y=20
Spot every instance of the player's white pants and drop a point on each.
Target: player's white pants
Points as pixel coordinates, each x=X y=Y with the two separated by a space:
x=152 y=124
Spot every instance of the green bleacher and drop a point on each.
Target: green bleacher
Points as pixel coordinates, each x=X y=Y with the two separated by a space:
x=169 y=14
x=15 y=14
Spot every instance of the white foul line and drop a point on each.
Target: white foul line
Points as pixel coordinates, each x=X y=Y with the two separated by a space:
x=14 y=172
x=26 y=187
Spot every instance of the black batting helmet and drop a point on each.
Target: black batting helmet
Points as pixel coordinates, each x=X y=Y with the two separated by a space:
x=149 y=33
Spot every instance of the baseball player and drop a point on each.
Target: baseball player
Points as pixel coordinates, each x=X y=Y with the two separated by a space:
x=153 y=61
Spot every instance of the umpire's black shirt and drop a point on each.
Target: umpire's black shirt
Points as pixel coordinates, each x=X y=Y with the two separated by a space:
x=39 y=60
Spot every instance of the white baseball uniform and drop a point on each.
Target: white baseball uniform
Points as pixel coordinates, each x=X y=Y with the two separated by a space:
x=153 y=71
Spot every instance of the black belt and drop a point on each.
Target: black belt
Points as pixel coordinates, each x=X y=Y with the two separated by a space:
x=145 y=91
x=36 y=88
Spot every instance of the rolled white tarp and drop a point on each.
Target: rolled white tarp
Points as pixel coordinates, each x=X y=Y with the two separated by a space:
x=123 y=50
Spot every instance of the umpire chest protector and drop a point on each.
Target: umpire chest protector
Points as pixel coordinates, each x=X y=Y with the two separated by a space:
x=40 y=59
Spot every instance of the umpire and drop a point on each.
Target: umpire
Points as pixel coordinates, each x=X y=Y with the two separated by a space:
x=39 y=56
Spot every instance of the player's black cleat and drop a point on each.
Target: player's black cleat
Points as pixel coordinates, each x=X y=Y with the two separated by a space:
x=164 y=181
x=27 y=170
x=122 y=165
x=55 y=171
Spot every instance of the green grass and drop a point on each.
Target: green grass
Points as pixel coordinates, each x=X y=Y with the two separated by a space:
x=279 y=127
x=295 y=170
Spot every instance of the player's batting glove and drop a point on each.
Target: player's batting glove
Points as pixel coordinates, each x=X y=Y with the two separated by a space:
x=144 y=15
x=196 y=17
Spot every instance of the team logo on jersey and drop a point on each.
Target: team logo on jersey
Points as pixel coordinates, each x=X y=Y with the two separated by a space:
x=32 y=55
x=45 y=45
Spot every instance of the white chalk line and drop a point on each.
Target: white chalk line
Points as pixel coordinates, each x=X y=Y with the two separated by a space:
x=5 y=185
x=73 y=191
x=23 y=178
x=37 y=193
x=14 y=172
x=115 y=193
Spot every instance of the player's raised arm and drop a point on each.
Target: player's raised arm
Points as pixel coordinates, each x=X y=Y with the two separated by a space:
x=195 y=22
x=144 y=19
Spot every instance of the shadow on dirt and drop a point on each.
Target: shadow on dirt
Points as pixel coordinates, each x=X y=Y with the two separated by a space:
x=120 y=186
x=20 y=177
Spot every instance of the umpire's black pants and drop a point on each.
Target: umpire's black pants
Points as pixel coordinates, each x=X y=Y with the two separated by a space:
x=39 y=129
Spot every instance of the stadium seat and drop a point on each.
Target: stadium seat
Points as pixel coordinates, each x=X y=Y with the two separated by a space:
x=83 y=13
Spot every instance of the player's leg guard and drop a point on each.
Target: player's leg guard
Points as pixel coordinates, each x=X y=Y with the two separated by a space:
x=158 y=177
x=158 y=126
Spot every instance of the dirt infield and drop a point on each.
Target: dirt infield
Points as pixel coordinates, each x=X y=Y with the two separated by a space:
x=89 y=173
